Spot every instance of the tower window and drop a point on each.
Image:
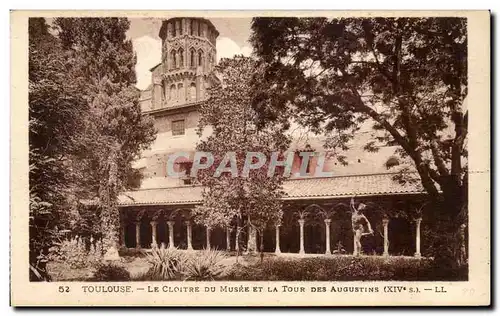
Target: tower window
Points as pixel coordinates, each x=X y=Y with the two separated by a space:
x=178 y=127
x=173 y=56
x=192 y=92
x=193 y=58
x=180 y=92
x=200 y=58
x=173 y=93
x=181 y=57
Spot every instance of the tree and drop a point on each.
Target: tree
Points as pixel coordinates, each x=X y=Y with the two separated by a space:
x=55 y=112
x=256 y=198
x=115 y=129
x=406 y=76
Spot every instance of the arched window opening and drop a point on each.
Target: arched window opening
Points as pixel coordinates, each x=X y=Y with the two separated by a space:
x=181 y=57
x=180 y=92
x=200 y=26
x=200 y=58
x=193 y=58
x=192 y=92
x=191 y=28
x=180 y=27
x=173 y=93
x=173 y=60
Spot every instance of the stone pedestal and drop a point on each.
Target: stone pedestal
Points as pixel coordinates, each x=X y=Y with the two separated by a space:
x=327 y=238
x=111 y=254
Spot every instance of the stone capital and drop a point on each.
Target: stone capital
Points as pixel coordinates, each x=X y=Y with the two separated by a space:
x=302 y=221
x=385 y=221
x=328 y=221
x=418 y=220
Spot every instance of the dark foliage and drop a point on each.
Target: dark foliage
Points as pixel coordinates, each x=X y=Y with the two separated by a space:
x=111 y=272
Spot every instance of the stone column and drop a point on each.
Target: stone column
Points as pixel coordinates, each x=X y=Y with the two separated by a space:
x=208 y=237
x=417 y=252
x=327 y=239
x=301 y=223
x=138 y=235
x=385 y=222
x=277 y=249
x=228 y=239
x=189 y=235
x=153 y=233
x=171 y=243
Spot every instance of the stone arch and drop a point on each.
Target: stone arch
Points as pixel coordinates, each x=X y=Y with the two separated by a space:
x=341 y=229
x=314 y=229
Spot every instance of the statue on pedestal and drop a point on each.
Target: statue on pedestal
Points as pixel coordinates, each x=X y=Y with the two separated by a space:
x=360 y=226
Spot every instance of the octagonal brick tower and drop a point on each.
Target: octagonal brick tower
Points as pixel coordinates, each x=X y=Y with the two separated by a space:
x=187 y=62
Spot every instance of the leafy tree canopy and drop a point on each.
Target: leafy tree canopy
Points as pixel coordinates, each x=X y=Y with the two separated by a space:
x=405 y=76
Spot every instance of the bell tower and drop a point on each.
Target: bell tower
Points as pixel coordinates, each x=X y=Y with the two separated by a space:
x=187 y=62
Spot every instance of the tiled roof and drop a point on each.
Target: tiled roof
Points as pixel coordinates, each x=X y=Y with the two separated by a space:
x=361 y=185
x=176 y=195
x=311 y=188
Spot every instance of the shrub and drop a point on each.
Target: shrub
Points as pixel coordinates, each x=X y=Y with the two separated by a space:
x=76 y=254
x=167 y=263
x=342 y=268
x=204 y=265
x=111 y=272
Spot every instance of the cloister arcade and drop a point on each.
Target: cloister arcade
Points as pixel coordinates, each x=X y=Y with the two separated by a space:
x=307 y=227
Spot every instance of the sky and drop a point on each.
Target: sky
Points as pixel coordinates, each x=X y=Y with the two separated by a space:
x=232 y=40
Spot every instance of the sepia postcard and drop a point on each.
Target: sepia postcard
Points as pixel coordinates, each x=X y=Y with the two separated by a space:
x=250 y=158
